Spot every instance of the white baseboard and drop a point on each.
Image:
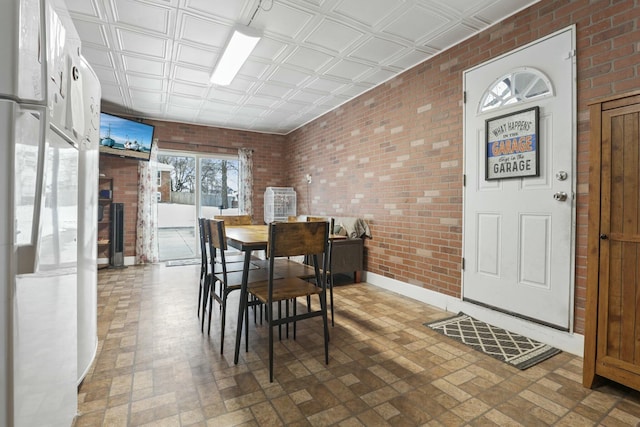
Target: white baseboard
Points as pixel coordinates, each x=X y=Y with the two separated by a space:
x=570 y=342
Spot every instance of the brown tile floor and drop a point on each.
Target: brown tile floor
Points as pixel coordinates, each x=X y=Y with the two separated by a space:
x=154 y=367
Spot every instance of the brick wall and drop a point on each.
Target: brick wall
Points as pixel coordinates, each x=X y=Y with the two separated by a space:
x=394 y=155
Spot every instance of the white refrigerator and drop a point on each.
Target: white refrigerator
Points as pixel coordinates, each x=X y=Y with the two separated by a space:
x=49 y=122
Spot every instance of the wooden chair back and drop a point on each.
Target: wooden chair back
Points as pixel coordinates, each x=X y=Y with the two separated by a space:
x=321 y=219
x=203 y=239
x=235 y=219
x=297 y=238
x=217 y=234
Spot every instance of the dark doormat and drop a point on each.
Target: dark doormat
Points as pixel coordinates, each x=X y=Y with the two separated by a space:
x=516 y=350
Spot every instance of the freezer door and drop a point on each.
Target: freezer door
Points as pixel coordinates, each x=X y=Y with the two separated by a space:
x=22 y=66
x=58 y=234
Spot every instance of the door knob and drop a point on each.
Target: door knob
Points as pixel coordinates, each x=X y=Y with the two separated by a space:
x=604 y=237
x=560 y=196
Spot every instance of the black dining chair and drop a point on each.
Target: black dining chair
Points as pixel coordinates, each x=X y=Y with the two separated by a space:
x=226 y=277
x=330 y=272
x=204 y=263
x=285 y=282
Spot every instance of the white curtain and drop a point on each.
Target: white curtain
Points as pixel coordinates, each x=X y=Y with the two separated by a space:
x=246 y=181
x=147 y=224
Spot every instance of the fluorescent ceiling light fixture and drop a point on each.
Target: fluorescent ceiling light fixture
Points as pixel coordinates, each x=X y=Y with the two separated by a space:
x=238 y=48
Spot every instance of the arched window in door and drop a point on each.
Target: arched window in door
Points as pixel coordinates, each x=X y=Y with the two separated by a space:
x=519 y=85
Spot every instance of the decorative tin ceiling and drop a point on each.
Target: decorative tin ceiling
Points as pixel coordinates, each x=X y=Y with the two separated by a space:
x=154 y=57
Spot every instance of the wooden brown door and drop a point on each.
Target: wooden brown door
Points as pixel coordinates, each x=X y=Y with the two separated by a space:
x=613 y=351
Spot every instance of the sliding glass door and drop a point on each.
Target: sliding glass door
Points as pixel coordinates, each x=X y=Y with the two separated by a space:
x=190 y=186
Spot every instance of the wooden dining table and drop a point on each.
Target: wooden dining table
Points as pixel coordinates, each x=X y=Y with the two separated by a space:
x=250 y=238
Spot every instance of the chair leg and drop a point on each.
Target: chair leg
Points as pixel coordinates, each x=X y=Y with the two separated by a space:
x=279 y=317
x=200 y=295
x=211 y=300
x=323 y=305
x=286 y=326
x=205 y=297
x=223 y=322
x=246 y=325
x=270 y=315
x=295 y=311
x=331 y=296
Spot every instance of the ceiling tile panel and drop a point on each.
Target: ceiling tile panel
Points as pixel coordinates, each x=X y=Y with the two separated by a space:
x=219 y=106
x=325 y=84
x=83 y=7
x=106 y=75
x=253 y=69
x=377 y=50
x=149 y=108
x=367 y=12
x=269 y=49
x=204 y=31
x=146 y=44
x=412 y=58
x=190 y=75
x=450 y=37
x=141 y=82
x=416 y=24
x=282 y=19
x=307 y=97
x=314 y=2
x=222 y=95
x=333 y=36
x=240 y=84
x=112 y=93
x=291 y=107
x=347 y=70
x=288 y=76
x=188 y=89
x=496 y=10
x=97 y=57
x=147 y=96
x=229 y=10
x=308 y=59
x=378 y=76
x=142 y=15
x=460 y=7
x=91 y=33
x=185 y=101
x=143 y=66
x=273 y=89
x=264 y=101
x=195 y=56
x=251 y=111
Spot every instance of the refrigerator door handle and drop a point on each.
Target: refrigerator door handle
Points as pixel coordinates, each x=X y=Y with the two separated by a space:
x=27 y=251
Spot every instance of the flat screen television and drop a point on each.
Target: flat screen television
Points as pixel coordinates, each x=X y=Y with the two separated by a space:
x=125 y=137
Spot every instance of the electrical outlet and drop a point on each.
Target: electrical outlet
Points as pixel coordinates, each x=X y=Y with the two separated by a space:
x=308 y=178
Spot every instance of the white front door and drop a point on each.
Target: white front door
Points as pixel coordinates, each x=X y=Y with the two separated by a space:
x=518 y=232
